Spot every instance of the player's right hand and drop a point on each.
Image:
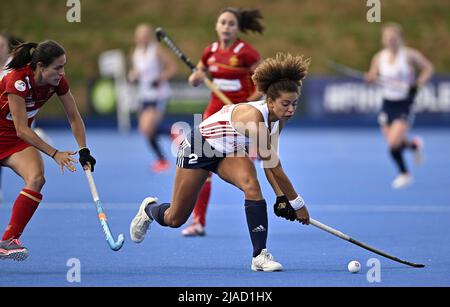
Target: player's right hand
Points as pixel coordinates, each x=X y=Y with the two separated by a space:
x=86 y=159
x=302 y=215
x=196 y=78
x=64 y=159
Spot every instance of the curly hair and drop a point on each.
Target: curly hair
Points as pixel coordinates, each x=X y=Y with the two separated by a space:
x=283 y=73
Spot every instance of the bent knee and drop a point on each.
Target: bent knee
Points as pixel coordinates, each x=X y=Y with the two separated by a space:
x=395 y=144
x=251 y=188
x=175 y=222
x=36 y=181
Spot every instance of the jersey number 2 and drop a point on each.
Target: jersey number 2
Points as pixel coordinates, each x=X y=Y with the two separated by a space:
x=193 y=159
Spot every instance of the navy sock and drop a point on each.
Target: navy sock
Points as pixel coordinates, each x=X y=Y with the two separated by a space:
x=153 y=141
x=157 y=212
x=397 y=155
x=256 y=213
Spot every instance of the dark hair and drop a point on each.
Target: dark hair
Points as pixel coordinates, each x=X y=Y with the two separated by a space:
x=284 y=73
x=33 y=53
x=247 y=19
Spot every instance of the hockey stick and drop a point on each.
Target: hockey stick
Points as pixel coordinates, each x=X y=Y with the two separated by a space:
x=162 y=36
x=115 y=245
x=357 y=74
x=351 y=240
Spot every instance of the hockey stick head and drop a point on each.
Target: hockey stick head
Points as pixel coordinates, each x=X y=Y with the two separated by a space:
x=159 y=34
x=115 y=246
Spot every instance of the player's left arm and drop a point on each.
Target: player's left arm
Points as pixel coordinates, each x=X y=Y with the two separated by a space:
x=295 y=207
x=425 y=66
x=78 y=129
x=168 y=65
x=267 y=171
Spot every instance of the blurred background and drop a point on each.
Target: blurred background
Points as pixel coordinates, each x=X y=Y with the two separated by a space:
x=323 y=30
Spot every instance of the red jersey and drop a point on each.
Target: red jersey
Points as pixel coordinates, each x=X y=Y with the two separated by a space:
x=21 y=82
x=230 y=71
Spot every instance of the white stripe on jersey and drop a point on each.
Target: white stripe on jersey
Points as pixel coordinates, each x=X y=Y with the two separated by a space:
x=214 y=47
x=219 y=132
x=239 y=47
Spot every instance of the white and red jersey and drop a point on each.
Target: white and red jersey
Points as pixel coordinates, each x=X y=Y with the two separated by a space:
x=219 y=132
x=21 y=82
x=230 y=71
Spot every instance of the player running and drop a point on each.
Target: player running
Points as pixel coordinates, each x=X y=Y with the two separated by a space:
x=219 y=146
x=231 y=62
x=151 y=69
x=36 y=73
x=395 y=65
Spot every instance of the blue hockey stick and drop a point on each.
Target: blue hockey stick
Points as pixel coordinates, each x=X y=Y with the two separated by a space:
x=115 y=245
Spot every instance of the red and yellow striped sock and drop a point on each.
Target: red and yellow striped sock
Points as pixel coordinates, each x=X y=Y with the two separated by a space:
x=24 y=207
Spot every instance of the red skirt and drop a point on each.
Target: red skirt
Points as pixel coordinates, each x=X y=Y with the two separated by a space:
x=9 y=145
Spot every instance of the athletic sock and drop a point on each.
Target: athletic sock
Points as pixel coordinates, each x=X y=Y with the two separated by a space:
x=202 y=202
x=24 y=207
x=397 y=156
x=153 y=141
x=157 y=212
x=256 y=213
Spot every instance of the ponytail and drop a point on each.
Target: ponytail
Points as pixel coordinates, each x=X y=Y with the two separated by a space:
x=247 y=19
x=32 y=53
x=22 y=55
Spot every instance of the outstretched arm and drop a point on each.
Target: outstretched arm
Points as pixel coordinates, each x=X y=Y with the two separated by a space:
x=169 y=66
x=251 y=123
x=78 y=129
x=20 y=118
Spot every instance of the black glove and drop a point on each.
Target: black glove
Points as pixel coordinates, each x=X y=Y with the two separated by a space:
x=85 y=157
x=283 y=208
x=413 y=91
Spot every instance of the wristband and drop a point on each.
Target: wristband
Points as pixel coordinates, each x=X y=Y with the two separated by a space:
x=54 y=154
x=297 y=203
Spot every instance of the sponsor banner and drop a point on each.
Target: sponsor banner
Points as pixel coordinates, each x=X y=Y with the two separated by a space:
x=330 y=98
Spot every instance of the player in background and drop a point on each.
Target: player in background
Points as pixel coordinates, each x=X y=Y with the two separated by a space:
x=396 y=65
x=151 y=69
x=219 y=145
x=231 y=62
x=36 y=73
